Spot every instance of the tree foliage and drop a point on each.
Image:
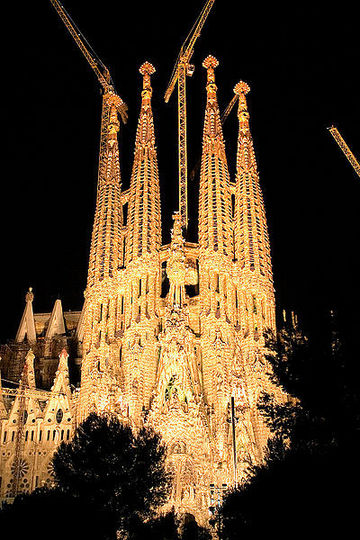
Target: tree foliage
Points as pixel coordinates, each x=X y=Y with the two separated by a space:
x=306 y=485
x=108 y=481
x=108 y=465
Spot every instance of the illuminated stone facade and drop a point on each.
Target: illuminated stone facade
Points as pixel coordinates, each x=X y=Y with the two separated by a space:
x=180 y=363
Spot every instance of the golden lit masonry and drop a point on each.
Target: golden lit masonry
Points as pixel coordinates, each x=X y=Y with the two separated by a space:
x=169 y=335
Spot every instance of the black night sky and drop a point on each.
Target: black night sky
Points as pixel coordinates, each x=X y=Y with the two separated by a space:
x=302 y=64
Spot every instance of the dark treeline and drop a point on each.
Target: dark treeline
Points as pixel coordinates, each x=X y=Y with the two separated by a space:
x=109 y=483
x=308 y=484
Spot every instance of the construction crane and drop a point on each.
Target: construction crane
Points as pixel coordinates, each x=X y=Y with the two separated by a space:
x=229 y=108
x=182 y=69
x=100 y=70
x=346 y=150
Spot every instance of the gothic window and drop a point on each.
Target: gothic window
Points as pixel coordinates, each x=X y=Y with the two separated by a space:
x=59 y=416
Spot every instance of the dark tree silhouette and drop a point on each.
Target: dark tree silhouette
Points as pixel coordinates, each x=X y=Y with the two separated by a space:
x=190 y=530
x=307 y=483
x=53 y=514
x=108 y=465
x=107 y=479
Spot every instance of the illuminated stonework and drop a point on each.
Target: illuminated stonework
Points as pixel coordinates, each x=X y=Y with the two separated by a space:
x=166 y=359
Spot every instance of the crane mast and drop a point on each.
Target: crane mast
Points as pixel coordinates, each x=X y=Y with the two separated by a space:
x=103 y=74
x=182 y=69
x=345 y=149
x=228 y=109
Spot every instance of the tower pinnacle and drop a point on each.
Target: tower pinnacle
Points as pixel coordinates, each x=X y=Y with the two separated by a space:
x=215 y=229
x=29 y=297
x=27 y=323
x=147 y=69
x=241 y=88
x=107 y=239
x=252 y=249
x=144 y=203
x=210 y=63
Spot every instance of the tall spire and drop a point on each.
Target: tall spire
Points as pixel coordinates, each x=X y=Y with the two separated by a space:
x=143 y=276
x=252 y=249
x=215 y=232
x=106 y=257
x=254 y=289
x=144 y=204
x=106 y=254
x=27 y=323
x=215 y=270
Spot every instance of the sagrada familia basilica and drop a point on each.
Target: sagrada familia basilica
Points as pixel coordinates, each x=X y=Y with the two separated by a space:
x=170 y=336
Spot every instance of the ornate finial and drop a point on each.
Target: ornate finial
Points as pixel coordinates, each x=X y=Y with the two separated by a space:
x=176 y=232
x=177 y=221
x=241 y=88
x=210 y=62
x=63 y=357
x=147 y=69
x=29 y=295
